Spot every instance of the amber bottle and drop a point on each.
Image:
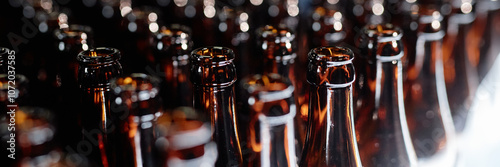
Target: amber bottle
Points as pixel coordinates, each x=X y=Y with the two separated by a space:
x=426 y=104
x=271 y=128
x=213 y=75
x=331 y=139
x=96 y=68
x=381 y=128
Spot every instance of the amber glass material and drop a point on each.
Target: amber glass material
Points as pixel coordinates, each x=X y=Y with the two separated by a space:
x=330 y=139
x=278 y=49
x=486 y=27
x=171 y=49
x=271 y=129
x=97 y=67
x=213 y=75
x=135 y=109
x=460 y=72
x=427 y=110
x=187 y=139
x=381 y=128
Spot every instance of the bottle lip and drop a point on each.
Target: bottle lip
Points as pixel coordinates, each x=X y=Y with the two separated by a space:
x=144 y=86
x=333 y=55
x=268 y=87
x=383 y=32
x=212 y=55
x=99 y=56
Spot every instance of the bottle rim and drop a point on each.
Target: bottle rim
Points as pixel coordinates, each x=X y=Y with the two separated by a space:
x=212 y=55
x=145 y=86
x=99 y=56
x=74 y=30
x=333 y=55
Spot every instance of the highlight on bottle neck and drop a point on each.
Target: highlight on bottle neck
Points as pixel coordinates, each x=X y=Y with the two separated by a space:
x=268 y=88
x=383 y=42
x=331 y=67
x=99 y=56
x=276 y=42
x=137 y=88
x=213 y=66
x=176 y=37
x=74 y=36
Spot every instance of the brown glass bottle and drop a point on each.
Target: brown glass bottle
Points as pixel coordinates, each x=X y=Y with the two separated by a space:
x=171 y=50
x=96 y=68
x=381 y=128
x=483 y=41
x=136 y=107
x=278 y=49
x=330 y=139
x=271 y=128
x=213 y=75
x=428 y=114
x=187 y=139
x=459 y=71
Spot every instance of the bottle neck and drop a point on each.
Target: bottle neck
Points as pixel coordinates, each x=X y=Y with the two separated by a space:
x=331 y=140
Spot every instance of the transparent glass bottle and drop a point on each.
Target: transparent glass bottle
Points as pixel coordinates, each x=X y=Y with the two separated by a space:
x=271 y=128
x=96 y=68
x=136 y=107
x=426 y=104
x=213 y=75
x=381 y=128
x=331 y=139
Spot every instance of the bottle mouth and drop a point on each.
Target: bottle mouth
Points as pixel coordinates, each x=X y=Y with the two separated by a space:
x=332 y=55
x=269 y=87
x=142 y=87
x=99 y=56
x=384 y=42
x=383 y=32
x=213 y=55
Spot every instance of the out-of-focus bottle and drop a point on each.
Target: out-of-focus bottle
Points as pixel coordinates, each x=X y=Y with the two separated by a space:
x=331 y=139
x=172 y=47
x=426 y=104
x=271 y=128
x=381 y=128
x=481 y=40
x=277 y=46
x=213 y=75
x=136 y=107
x=96 y=68
x=187 y=139
x=460 y=72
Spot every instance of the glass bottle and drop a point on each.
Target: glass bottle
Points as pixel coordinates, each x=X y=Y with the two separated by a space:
x=484 y=41
x=277 y=45
x=459 y=71
x=428 y=114
x=96 y=68
x=213 y=75
x=187 y=140
x=171 y=54
x=136 y=107
x=330 y=139
x=381 y=128
x=271 y=128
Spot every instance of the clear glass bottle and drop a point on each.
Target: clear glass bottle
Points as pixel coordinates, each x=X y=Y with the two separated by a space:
x=426 y=104
x=460 y=72
x=96 y=68
x=331 y=139
x=136 y=107
x=381 y=128
x=271 y=128
x=213 y=75
x=172 y=46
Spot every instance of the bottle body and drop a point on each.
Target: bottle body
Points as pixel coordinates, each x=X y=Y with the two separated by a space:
x=330 y=139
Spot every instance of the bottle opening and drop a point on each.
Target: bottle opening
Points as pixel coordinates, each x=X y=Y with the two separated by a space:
x=331 y=54
x=99 y=55
x=383 y=31
x=213 y=55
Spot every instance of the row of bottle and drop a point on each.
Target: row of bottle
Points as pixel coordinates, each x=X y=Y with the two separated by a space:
x=274 y=129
